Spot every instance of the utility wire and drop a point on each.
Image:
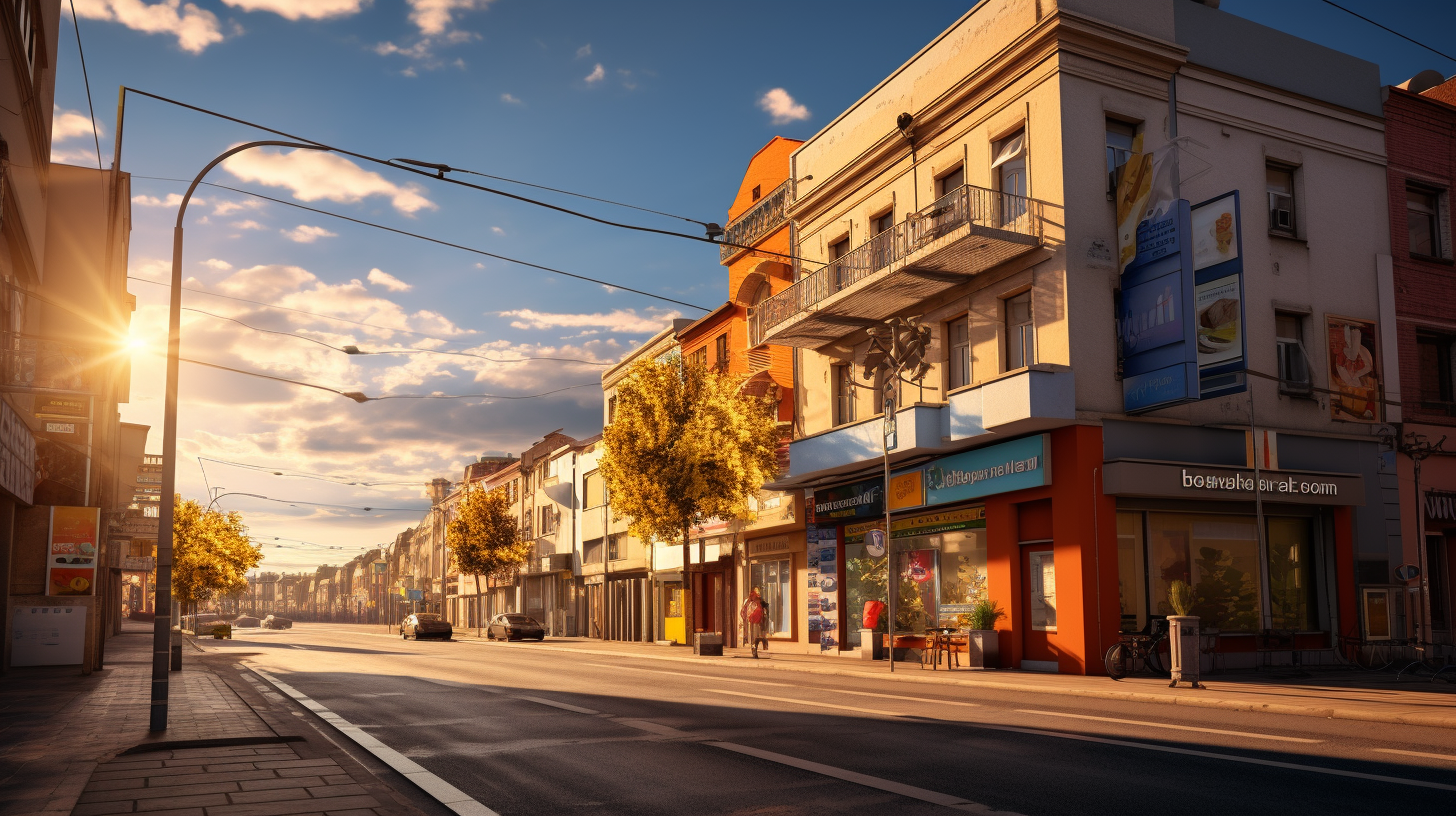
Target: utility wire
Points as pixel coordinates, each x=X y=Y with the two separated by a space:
x=303 y=474
x=326 y=504
x=85 y=76
x=357 y=351
x=1391 y=30
x=415 y=166
x=441 y=242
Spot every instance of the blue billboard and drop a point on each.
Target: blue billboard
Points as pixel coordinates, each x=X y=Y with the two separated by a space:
x=1157 y=329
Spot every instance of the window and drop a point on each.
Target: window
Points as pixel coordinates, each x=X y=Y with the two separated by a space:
x=757 y=192
x=882 y=222
x=611 y=409
x=774 y=582
x=1422 y=208
x=950 y=182
x=720 y=352
x=1120 y=136
x=699 y=357
x=1280 y=183
x=25 y=24
x=1436 y=359
x=595 y=489
x=882 y=240
x=839 y=273
x=1008 y=171
x=1293 y=361
x=592 y=551
x=548 y=520
x=958 y=345
x=843 y=393
x=762 y=293
x=614 y=547
x=1020 y=333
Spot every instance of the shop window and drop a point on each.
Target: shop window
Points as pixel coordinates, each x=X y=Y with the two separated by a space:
x=774 y=582
x=1120 y=136
x=1291 y=599
x=844 y=385
x=1132 y=573
x=958 y=344
x=1279 y=182
x=1218 y=556
x=1020 y=332
x=1042 y=590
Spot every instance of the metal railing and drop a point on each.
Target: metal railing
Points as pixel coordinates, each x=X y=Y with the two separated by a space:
x=965 y=205
x=769 y=213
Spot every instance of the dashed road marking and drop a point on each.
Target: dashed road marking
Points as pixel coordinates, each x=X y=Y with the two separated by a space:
x=1447 y=757
x=1166 y=725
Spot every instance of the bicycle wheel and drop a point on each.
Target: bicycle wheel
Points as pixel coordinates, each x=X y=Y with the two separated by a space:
x=1155 y=661
x=1116 y=661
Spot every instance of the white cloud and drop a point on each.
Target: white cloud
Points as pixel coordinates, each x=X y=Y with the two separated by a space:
x=194 y=28
x=249 y=224
x=435 y=16
x=510 y=99
x=597 y=75
x=311 y=176
x=172 y=201
x=782 y=107
x=497 y=230
x=379 y=277
x=218 y=264
x=620 y=320
x=70 y=124
x=584 y=51
x=302 y=9
x=305 y=234
x=230 y=207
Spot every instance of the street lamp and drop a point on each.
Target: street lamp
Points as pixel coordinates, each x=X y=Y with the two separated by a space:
x=162 y=627
x=896 y=345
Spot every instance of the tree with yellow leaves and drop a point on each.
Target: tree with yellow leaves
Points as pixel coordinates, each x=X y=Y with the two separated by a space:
x=211 y=553
x=685 y=445
x=485 y=538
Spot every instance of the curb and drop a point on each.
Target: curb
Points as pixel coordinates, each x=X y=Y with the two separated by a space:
x=1336 y=712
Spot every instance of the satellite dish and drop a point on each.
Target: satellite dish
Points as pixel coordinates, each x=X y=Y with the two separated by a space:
x=1422 y=82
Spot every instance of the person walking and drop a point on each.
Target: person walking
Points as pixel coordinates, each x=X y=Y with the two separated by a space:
x=754 y=613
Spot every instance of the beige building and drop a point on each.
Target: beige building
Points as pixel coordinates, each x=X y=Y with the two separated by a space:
x=974 y=188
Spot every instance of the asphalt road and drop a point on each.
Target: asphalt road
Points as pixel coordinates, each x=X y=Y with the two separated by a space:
x=526 y=730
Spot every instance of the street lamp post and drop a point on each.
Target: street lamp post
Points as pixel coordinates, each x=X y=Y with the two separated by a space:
x=162 y=627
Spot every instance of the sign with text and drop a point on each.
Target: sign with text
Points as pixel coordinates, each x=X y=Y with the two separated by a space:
x=1156 y=322
x=1218 y=295
x=858 y=500
x=71 y=554
x=1209 y=482
x=1015 y=465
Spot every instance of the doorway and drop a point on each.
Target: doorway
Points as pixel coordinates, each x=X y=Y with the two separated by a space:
x=1038 y=606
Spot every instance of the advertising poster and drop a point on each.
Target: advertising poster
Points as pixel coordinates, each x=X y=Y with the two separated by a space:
x=71 y=557
x=1144 y=191
x=1215 y=232
x=1353 y=374
x=1151 y=314
x=1220 y=329
x=823 y=594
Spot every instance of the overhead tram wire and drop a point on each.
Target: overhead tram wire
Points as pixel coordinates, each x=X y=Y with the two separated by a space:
x=356 y=351
x=439 y=241
x=95 y=133
x=1391 y=30
x=303 y=474
x=418 y=168
x=328 y=504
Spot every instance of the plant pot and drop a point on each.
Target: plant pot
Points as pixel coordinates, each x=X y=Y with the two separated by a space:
x=983 y=650
x=1183 y=651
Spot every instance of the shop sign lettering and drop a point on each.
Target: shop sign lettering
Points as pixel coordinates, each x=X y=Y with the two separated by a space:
x=851 y=501
x=1242 y=483
x=1015 y=465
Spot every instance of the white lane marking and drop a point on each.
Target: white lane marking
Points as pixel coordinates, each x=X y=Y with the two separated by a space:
x=296 y=646
x=806 y=702
x=899 y=788
x=1166 y=725
x=1447 y=757
x=457 y=684
x=1211 y=755
x=443 y=792
x=792 y=685
x=555 y=704
x=655 y=728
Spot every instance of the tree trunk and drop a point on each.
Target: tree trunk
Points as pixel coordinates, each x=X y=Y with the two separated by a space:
x=477 y=607
x=687 y=582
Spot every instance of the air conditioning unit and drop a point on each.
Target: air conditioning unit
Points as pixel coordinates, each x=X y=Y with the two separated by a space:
x=1281 y=212
x=1293 y=368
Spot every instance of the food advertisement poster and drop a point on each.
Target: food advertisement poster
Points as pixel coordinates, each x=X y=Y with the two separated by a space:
x=71 y=556
x=1220 y=329
x=1215 y=232
x=1354 y=378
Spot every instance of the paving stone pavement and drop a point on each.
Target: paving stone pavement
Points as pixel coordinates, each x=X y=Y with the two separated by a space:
x=81 y=745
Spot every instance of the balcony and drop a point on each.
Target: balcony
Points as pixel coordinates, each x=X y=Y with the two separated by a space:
x=762 y=218
x=965 y=232
x=1028 y=400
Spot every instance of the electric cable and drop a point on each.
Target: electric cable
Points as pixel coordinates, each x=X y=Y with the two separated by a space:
x=416 y=167
x=303 y=474
x=1391 y=30
x=327 y=504
x=87 y=78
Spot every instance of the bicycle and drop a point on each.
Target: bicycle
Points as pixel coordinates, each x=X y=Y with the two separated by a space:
x=1137 y=648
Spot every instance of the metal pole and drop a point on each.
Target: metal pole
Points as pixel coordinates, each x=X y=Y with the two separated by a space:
x=1425 y=594
x=161 y=627
x=885 y=497
x=1266 y=617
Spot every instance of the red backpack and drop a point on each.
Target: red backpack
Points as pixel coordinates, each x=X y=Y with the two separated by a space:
x=755 y=611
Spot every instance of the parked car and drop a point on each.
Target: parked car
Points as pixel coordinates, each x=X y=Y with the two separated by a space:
x=425 y=625
x=245 y=622
x=513 y=626
x=275 y=622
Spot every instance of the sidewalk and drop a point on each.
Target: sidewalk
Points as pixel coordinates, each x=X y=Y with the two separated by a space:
x=81 y=745
x=1342 y=695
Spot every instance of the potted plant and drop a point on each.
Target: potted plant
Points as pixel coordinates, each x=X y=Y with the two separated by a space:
x=983 y=650
x=1183 y=641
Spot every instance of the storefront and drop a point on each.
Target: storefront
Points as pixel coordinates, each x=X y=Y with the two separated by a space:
x=773 y=561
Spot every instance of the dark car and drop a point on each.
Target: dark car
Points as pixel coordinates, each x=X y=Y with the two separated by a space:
x=245 y=622
x=514 y=626
x=275 y=622
x=425 y=625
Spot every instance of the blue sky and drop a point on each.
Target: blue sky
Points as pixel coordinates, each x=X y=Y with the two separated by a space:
x=658 y=104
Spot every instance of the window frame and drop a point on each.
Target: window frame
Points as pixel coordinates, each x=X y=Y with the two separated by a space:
x=1444 y=346
x=1022 y=331
x=1292 y=231
x=720 y=352
x=952 y=363
x=943 y=187
x=844 y=408
x=1110 y=152
x=1433 y=218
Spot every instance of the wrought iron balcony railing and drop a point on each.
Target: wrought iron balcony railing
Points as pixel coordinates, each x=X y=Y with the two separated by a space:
x=987 y=209
x=762 y=218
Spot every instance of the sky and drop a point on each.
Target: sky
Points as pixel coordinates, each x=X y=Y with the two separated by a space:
x=656 y=104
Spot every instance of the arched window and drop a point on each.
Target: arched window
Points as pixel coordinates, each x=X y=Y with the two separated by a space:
x=762 y=293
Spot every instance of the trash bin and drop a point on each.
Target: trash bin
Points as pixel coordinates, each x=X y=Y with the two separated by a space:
x=709 y=644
